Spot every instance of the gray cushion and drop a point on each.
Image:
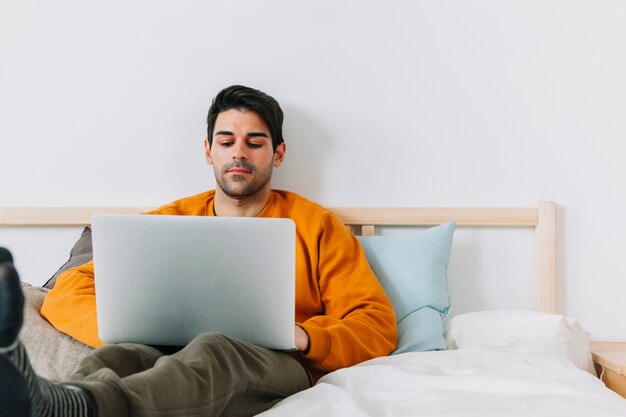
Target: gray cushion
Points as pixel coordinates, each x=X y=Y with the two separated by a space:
x=54 y=355
x=80 y=254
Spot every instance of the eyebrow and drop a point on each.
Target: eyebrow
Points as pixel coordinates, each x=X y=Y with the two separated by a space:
x=258 y=134
x=250 y=134
x=223 y=132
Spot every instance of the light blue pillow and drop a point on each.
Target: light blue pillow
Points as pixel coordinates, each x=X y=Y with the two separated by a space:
x=413 y=272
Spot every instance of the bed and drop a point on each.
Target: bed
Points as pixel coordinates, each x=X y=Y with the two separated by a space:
x=500 y=363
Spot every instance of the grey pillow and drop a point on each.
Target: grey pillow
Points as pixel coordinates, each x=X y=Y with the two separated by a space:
x=80 y=254
x=53 y=355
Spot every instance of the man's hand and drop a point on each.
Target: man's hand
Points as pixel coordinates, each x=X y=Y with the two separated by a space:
x=302 y=339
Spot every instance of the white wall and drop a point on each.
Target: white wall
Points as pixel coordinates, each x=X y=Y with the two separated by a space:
x=403 y=103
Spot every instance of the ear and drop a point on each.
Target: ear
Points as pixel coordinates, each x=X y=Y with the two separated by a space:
x=279 y=154
x=207 y=152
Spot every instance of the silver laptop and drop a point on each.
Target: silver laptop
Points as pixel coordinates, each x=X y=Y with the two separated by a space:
x=163 y=280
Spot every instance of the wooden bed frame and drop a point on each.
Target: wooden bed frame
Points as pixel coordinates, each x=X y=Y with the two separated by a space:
x=542 y=218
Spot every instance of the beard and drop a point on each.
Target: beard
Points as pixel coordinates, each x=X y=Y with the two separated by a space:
x=240 y=187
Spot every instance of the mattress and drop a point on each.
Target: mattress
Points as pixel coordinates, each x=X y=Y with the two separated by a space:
x=474 y=381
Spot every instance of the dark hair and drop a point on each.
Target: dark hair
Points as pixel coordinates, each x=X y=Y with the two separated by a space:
x=246 y=98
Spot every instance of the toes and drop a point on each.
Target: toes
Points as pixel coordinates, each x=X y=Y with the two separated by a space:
x=11 y=304
x=5 y=256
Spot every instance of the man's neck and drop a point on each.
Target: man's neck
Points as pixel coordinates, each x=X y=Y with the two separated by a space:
x=226 y=206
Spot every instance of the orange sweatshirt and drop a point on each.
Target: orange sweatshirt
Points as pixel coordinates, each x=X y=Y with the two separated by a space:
x=339 y=301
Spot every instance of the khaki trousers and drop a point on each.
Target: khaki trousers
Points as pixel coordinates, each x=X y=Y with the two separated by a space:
x=213 y=375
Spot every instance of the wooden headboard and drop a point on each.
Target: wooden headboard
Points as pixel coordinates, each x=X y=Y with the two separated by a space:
x=541 y=218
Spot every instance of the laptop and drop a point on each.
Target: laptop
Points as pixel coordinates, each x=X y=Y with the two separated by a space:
x=163 y=280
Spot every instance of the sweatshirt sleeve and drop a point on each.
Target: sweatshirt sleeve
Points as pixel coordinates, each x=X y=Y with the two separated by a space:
x=71 y=305
x=358 y=321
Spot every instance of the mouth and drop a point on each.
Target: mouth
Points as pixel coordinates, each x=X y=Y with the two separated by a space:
x=238 y=171
x=239 y=168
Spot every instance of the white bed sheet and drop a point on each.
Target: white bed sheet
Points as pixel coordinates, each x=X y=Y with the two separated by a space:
x=473 y=381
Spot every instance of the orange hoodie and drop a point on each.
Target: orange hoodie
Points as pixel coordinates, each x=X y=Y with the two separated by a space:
x=339 y=301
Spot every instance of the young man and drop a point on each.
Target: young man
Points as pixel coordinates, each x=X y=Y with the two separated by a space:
x=343 y=316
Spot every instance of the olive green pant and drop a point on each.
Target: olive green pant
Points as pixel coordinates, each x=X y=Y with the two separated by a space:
x=213 y=375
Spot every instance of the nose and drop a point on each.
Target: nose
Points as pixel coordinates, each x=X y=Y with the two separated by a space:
x=239 y=150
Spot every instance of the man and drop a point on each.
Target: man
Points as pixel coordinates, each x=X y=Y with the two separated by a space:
x=343 y=316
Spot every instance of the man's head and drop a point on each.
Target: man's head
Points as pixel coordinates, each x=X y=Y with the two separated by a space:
x=245 y=98
x=242 y=147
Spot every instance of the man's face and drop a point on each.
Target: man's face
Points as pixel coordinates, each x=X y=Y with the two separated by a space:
x=242 y=154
